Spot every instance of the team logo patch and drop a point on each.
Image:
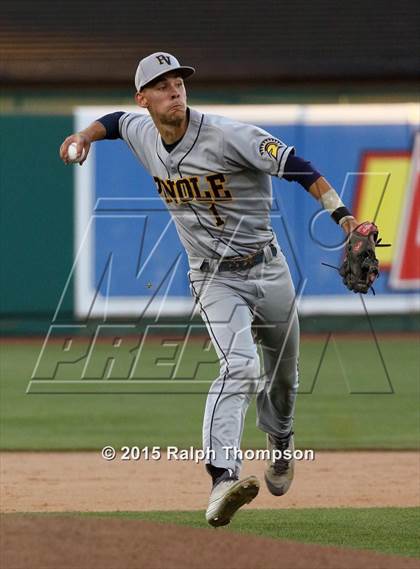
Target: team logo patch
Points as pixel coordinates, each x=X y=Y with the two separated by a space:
x=270 y=146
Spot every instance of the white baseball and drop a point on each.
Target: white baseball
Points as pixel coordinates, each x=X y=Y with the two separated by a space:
x=73 y=155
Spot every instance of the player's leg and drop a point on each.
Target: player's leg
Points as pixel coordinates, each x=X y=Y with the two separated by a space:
x=228 y=318
x=277 y=393
x=277 y=329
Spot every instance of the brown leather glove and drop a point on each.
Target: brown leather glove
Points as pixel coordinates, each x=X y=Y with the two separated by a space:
x=360 y=267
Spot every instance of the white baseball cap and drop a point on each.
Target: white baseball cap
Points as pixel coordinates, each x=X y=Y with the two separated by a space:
x=152 y=66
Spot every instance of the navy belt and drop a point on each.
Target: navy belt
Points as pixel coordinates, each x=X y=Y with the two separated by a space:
x=239 y=263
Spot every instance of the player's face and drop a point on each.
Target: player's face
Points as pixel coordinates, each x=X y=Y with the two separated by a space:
x=166 y=100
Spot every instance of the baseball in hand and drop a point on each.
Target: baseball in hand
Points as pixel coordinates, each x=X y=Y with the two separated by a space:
x=72 y=153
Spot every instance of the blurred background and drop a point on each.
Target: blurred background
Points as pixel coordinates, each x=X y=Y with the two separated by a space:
x=56 y=56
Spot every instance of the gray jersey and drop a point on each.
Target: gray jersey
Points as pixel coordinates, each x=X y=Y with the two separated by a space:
x=216 y=182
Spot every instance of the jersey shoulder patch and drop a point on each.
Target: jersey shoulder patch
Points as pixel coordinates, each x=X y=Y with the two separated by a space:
x=270 y=146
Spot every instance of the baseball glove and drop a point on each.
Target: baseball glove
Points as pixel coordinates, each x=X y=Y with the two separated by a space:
x=360 y=267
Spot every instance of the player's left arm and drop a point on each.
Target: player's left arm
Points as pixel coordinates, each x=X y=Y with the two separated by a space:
x=360 y=267
x=251 y=147
x=298 y=170
x=325 y=194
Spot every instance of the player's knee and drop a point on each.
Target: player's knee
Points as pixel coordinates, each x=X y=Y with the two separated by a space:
x=285 y=376
x=242 y=366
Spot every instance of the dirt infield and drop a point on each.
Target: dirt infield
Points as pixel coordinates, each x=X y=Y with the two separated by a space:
x=84 y=481
x=49 y=543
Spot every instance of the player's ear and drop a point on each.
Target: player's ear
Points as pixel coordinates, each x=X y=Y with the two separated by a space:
x=141 y=100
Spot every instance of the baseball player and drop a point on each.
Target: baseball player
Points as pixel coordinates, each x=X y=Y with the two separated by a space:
x=214 y=173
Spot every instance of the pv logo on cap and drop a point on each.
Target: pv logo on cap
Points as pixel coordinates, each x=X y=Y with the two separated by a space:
x=164 y=59
x=155 y=65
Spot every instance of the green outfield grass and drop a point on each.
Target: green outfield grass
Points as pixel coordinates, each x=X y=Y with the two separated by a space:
x=386 y=530
x=350 y=405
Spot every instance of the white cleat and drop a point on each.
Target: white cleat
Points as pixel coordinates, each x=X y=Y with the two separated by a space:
x=228 y=496
x=279 y=472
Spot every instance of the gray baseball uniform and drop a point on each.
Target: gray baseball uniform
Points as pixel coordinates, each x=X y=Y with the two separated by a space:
x=216 y=183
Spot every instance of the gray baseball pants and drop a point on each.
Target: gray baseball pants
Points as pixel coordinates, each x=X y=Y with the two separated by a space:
x=241 y=309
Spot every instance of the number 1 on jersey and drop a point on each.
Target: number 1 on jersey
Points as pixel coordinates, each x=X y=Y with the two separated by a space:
x=219 y=220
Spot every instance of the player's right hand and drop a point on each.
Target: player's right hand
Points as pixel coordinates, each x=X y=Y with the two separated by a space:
x=83 y=144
